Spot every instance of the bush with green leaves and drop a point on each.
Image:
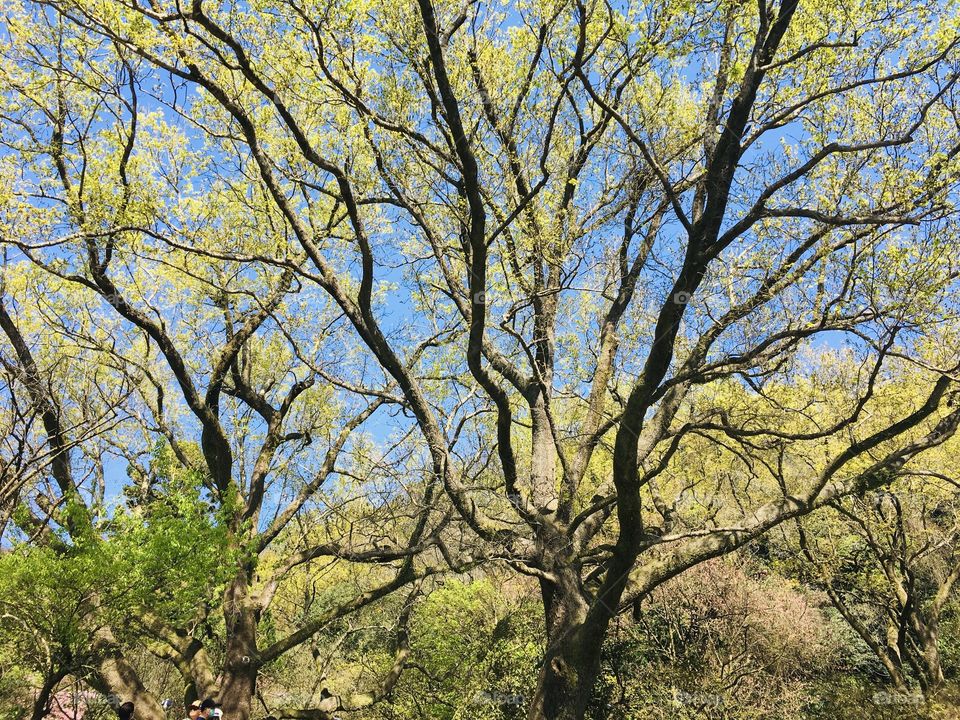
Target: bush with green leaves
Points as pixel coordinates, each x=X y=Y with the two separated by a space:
x=474 y=653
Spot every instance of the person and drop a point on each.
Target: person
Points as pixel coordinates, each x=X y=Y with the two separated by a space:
x=210 y=708
x=125 y=711
x=193 y=710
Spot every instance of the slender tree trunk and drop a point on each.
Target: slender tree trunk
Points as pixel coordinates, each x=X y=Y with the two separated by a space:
x=42 y=702
x=928 y=636
x=891 y=662
x=543 y=459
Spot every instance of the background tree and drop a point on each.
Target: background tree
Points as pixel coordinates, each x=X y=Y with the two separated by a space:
x=904 y=566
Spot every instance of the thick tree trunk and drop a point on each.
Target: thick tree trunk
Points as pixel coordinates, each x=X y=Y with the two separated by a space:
x=576 y=631
x=566 y=679
x=119 y=678
x=240 y=668
x=237 y=693
x=565 y=614
x=199 y=682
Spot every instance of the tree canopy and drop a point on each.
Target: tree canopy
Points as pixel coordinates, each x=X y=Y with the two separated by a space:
x=323 y=319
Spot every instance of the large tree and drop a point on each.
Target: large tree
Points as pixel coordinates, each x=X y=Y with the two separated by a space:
x=236 y=419
x=575 y=242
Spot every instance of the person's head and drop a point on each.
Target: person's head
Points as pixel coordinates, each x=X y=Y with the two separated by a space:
x=125 y=711
x=193 y=710
x=207 y=708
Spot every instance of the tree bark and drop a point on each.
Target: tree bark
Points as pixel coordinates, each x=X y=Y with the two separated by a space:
x=577 y=628
x=566 y=612
x=240 y=668
x=41 y=705
x=119 y=678
x=928 y=640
